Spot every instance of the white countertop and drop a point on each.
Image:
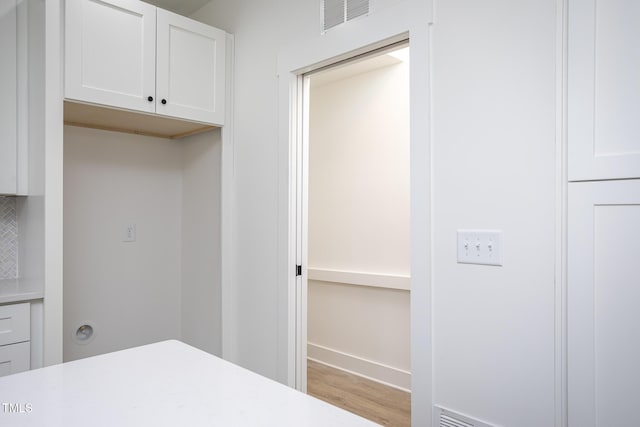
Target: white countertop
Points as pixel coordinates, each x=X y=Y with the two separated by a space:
x=163 y=384
x=14 y=290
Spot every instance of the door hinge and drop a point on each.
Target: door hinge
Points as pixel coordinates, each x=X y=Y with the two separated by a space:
x=298 y=270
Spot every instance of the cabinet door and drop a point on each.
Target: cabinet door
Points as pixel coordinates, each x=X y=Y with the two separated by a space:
x=110 y=53
x=604 y=89
x=190 y=69
x=603 y=295
x=14 y=358
x=8 y=97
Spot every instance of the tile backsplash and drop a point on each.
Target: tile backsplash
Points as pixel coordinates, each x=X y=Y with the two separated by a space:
x=8 y=238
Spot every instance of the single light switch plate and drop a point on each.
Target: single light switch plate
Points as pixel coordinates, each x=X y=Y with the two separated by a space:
x=129 y=233
x=480 y=247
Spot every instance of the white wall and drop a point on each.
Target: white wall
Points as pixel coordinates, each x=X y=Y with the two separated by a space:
x=130 y=290
x=361 y=329
x=495 y=167
x=201 y=290
x=359 y=172
x=31 y=209
x=164 y=285
x=53 y=158
x=259 y=31
x=492 y=148
x=359 y=219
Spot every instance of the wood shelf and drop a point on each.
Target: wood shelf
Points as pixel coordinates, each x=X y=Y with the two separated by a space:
x=104 y=118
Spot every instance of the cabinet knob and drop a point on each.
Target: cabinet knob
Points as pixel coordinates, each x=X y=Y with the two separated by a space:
x=150 y=99
x=164 y=101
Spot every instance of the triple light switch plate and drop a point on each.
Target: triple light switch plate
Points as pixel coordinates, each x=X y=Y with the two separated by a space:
x=480 y=247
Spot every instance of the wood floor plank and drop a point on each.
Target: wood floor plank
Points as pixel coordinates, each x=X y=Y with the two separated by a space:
x=377 y=402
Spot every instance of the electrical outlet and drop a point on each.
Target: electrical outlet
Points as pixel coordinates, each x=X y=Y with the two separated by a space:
x=480 y=247
x=129 y=233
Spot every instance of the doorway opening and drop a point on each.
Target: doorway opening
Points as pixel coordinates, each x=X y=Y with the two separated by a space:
x=354 y=227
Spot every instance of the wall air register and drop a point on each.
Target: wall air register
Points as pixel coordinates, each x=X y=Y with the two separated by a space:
x=336 y=12
x=446 y=418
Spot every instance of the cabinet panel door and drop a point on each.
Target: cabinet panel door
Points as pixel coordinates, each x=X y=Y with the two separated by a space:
x=190 y=69
x=603 y=295
x=604 y=89
x=14 y=358
x=110 y=53
x=8 y=97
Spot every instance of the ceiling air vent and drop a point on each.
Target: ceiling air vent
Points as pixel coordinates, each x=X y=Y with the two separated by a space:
x=336 y=12
x=447 y=418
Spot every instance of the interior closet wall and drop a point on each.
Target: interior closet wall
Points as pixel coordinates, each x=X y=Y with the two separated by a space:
x=201 y=254
x=359 y=220
x=132 y=292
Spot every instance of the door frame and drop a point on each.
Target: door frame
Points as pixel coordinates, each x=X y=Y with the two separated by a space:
x=302 y=203
x=412 y=21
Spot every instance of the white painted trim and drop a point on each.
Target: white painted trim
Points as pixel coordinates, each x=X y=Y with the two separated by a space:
x=375 y=280
x=288 y=226
x=560 y=381
x=375 y=371
x=229 y=298
x=302 y=221
x=421 y=169
x=37 y=333
x=53 y=183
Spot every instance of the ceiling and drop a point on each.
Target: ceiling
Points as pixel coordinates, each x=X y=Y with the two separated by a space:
x=181 y=7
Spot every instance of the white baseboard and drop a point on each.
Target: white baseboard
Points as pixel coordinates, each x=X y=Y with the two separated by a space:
x=374 y=371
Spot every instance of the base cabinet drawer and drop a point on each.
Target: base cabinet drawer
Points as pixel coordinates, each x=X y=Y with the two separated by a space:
x=14 y=358
x=15 y=323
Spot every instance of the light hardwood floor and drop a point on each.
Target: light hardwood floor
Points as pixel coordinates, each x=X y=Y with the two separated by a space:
x=379 y=403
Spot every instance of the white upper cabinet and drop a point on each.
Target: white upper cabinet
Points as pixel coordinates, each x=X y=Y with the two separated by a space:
x=111 y=53
x=190 y=69
x=8 y=97
x=131 y=55
x=604 y=89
